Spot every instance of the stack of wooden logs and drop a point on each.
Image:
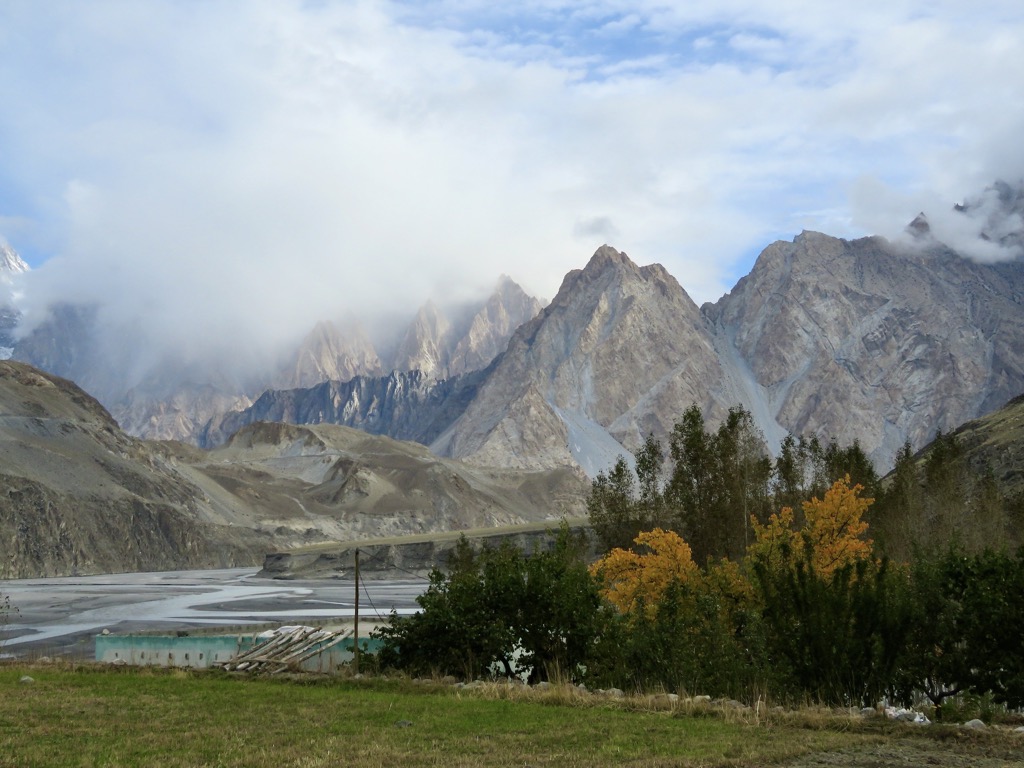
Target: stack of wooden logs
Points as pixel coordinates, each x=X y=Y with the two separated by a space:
x=285 y=650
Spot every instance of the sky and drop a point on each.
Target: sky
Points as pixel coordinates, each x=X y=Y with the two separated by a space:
x=229 y=172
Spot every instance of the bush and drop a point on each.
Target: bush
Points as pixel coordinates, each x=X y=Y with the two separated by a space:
x=539 y=613
x=964 y=634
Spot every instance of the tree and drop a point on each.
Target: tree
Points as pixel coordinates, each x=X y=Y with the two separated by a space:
x=650 y=461
x=694 y=487
x=794 y=471
x=930 y=501
x=898 y=515
x=560 y=616
x=832 y=535
x=502 y=608
x=457 y=630
x=838 y=638
x=852 y=462
x=965 y=633
x=831 y=612
x=746 y=472
x=718 y=481
x=611 y=506
x=631 y=579
x=621 y=506
x=682 y=628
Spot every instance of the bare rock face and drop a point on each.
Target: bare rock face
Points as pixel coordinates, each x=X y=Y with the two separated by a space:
x=64 y=344
x=174 y=401
x=861 y=339
x=489 y=329
x=353 y=485
x=178 y=403
x=179 y=414
x=441 y=346
x=424 y=347
x=328 y=354
x=405 y=406
x=853 y=340
x=592 y=372
x=865 y=340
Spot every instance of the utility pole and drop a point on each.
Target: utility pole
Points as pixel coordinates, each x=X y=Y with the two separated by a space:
x=355 y=644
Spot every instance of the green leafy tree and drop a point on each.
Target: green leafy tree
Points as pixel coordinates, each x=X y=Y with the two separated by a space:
x=456 y=631
x=650 y=463
x=832 y=614
x=612 y=507
x=933 y=661
x=838 y=638
x=850 y=461
x=898 y=513
x=719 y=480
x=798 y=474
x=965 y=634
x=621 y=504
x=500 y=607
x=746 y=471
x=694 y=487
x=926 y=503
x=560 y=615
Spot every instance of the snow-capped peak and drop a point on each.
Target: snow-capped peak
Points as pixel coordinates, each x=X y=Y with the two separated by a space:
x=10 y=261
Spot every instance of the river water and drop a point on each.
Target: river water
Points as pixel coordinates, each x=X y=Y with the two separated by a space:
x=61 y=616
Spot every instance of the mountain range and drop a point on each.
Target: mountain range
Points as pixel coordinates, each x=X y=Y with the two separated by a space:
x=870 y=340
x=176 y=400
x=861 y=340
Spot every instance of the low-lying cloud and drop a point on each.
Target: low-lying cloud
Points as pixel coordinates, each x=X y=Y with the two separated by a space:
x=219 y=176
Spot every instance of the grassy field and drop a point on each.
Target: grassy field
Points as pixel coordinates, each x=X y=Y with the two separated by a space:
x=89 y=716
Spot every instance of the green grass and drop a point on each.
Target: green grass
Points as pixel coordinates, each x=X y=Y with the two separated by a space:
x=89 y=716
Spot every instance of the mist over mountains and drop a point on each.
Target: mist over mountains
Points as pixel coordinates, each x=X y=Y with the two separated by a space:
x=875 y=340
x=163 y=394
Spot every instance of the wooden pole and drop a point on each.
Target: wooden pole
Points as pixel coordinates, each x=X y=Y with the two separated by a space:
x=355 y=633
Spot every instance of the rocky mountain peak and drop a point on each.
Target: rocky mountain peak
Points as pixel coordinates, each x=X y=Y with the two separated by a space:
x=444 y=343
x=613 y=273
x=423 y=348
x=607 y=254
x=571 y=387
x=864 y=340
x=607 y=260
x=328 y=353
x=919 y=227
x=10 y=262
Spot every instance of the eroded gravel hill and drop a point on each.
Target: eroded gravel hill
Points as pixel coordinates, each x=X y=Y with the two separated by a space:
x=79 y=496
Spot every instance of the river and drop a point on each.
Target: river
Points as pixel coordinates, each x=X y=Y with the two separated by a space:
x=61 y=616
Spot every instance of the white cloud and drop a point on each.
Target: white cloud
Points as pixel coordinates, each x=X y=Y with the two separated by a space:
x=232 y=172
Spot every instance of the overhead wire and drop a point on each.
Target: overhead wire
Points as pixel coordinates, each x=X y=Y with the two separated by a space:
x=366 y=592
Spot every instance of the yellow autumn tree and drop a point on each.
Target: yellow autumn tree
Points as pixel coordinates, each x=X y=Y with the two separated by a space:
x=833 y=532
x=774 y=540
x=631 y=579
